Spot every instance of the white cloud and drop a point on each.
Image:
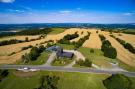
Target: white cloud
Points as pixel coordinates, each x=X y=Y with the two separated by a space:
x=128 y=13
x=15 y=10
x=7 y=1
x=65 y=11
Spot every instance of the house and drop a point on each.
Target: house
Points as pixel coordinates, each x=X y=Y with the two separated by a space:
x=59 y=52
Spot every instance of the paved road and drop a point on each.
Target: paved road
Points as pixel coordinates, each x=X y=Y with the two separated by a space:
x=81 y=70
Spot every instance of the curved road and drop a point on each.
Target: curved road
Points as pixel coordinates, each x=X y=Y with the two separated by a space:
x=58 y=68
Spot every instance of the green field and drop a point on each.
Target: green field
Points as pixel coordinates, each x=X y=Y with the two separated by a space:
x=67 y=81
x=65 y=46
x=40 y=60
x=97 y=57
x=57 y=31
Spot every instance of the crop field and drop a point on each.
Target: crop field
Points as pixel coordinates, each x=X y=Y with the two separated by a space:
x=93 y=42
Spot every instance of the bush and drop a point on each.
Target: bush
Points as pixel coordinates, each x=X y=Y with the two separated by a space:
x=117 y=81
x=85 y=62
x=107 y=48
x=27 y=47
x=129 y=47
x=110 y=52
x=91 y=50
x=48 y=82
x=3 y=74
x=34 y=53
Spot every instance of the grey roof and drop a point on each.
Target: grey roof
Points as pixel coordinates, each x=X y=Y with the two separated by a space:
x=53 y=48
x=65 y=54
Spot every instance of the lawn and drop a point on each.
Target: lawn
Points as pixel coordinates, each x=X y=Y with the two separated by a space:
x=67 y=81
x=57 y=30
x=40 y=60
x=65 y=46
x=61 y=61
x=97 y=57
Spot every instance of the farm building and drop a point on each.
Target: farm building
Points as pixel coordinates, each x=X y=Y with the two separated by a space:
x=59 y=52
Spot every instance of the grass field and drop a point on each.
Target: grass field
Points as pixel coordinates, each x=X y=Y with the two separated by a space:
x=65 y=46
x=57 y=31
x=67 y=81
x=97 y=57
x=40 y=60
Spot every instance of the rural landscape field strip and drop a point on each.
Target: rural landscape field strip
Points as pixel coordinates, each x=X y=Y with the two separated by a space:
x=122 y=54
x=93 y=41
x=13 y=58
x=8 y=49
x=127 y=37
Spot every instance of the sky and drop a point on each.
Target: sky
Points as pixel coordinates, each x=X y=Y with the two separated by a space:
x=67 y=11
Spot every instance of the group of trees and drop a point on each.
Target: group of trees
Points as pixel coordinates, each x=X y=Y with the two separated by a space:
x=118 y=81
x=81 y=40
x=34 y=53
x=34 y=31
x=48 y=82
x=107 y=48
x=15 y=41
x=27 y=47
x=3 y=74
x=11 y=41
x=125 y=44
x=85 y=62
x=66 y=39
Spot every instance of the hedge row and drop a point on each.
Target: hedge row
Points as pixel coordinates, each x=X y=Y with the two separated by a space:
x=15 y=41
x=66 y=39
x=126 y=45
x=80 y=42
x=107 y=48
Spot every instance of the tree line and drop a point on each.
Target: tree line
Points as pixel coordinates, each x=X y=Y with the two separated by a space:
x=66 y=39
x=107 y=48
x=125 y=44
x=34 y=53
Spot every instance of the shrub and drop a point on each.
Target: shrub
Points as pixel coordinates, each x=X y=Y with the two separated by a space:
x=129 y=47
x=91 y=50
x=117 y=81
x=107 y=48
x=85 y=62
x=110 y=52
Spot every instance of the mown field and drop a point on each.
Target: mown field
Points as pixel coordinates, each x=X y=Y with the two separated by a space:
x=67 y=80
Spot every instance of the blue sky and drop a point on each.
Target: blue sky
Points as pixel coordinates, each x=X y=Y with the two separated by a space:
x=67 y=11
